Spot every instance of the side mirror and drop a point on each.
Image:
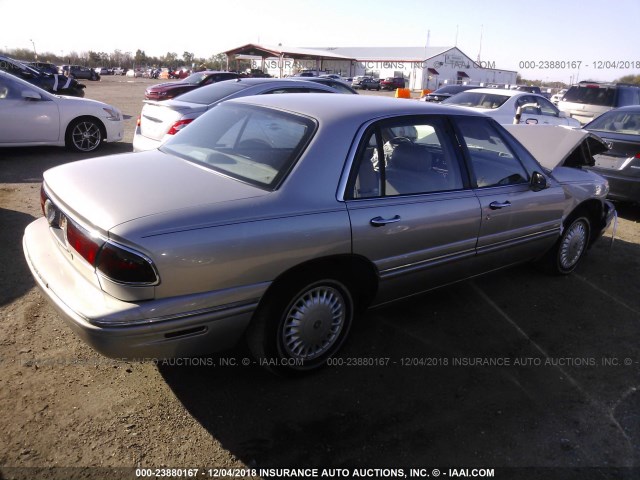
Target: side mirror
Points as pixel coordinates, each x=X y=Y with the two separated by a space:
x=31 y=95
x=538 y=182
x=563 y=114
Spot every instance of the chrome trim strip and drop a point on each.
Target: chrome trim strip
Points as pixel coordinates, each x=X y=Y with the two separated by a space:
x=518 y=241
x=236 y=307
x=431 y=262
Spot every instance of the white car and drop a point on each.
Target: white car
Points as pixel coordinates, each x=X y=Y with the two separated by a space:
x=558 y=96
x=502 y=105
x=32 y=116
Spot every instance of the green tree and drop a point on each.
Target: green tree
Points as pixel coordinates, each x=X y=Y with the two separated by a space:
x=187 y=58
x=635 y=79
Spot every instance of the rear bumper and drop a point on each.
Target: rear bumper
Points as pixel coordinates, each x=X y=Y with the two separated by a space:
x=100 y=320
x=142 y=143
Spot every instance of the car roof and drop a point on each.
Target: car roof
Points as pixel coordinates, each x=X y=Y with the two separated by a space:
x=502 y=91
x=355 y=107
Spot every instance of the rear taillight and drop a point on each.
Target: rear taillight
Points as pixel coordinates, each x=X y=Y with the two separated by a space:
x=125 y=266
x=138 y=121
x=637 y=155
x=114 y=262
x=83 y=242
x=179 y=125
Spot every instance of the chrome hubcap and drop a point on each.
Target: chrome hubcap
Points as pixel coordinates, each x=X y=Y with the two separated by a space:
x=313 y=323
x=573 y=245
x=86 y=136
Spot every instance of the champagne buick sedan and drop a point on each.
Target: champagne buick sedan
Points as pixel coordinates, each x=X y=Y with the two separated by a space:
x=280 y=217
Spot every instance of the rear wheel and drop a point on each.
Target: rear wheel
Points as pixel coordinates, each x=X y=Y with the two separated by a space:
x=297 y=329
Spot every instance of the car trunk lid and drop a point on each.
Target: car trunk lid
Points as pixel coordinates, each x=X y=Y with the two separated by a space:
x=97 y=192
x=158 y=117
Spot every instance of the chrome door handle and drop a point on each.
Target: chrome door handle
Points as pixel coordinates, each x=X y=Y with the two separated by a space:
x=499 y=205
x=379 y=221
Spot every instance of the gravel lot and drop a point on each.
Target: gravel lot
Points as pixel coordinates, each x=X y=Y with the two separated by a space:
x=565 y=393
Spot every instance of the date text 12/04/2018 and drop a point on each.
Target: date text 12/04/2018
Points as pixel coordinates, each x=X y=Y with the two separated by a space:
x=576 y=64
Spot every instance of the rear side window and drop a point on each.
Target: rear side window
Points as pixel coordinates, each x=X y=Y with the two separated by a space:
x=628 y=96
x=493 y=161
x=406 y=158
x=601 y=96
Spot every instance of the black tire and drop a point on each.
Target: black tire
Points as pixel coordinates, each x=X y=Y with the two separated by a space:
x=565 y=255
x=301 y=324
x=84 y=135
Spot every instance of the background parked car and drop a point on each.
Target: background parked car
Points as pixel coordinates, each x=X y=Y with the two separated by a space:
x=503 y=104
x=49 y=68
x=160 y=121
x=295 y=218
x=165 y=91
x=58 y=84
x=32 y=116
x=587 y=100
x=78 y=71
x=445 y=92
x=339 y=85
x=391 y=83
x=119 y=71
x=555 y=98
x=103 y=71
x=365 y=83
x=620 y=165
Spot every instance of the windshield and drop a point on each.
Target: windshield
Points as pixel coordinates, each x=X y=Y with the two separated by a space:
x=619 y=122
x=592 y=95
x=212 y=93
x=195 y=79
x=252 y=144
x=487 y=101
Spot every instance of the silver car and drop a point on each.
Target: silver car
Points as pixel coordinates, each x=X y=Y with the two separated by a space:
x=280 y=217
x=161 y=120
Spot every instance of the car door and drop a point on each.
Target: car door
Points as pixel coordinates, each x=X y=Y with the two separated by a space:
x=412 y=211
x=530 y=110
x=518 y=222
x=550 y=114
x=23 y=117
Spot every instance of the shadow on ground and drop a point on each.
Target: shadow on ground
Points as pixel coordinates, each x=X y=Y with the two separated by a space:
x=437 y=399
x=26 y=165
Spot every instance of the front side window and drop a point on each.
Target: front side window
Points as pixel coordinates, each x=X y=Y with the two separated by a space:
x=493 y=162
x=547 y=108
x=405 y=158
x=249 y=143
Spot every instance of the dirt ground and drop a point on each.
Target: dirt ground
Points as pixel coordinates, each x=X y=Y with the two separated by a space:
x=512 y=370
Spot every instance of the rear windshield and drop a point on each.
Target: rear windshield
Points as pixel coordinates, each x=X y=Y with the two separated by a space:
x=601 y=96
x=617 y=121
x=212 y=93
x=477 y=100
x=252 y=144
x=452 y=89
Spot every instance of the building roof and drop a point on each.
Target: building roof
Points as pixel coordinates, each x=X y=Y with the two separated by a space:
x=416 y=54
x=253 y=49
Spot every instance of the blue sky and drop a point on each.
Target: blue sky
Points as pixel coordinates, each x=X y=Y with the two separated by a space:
x=534 y=31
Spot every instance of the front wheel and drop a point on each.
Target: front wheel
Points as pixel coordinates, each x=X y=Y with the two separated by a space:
x=83 y=135
x=564 y=257
x=297 y=329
